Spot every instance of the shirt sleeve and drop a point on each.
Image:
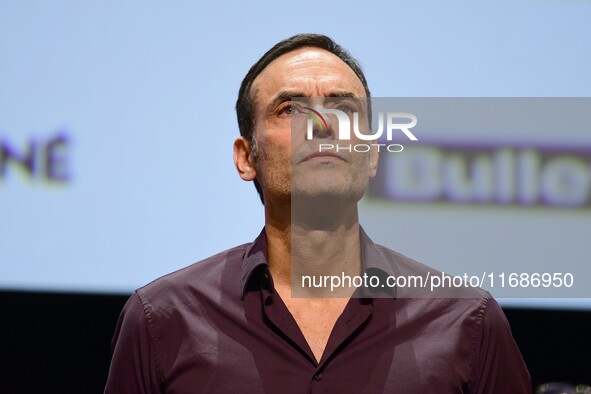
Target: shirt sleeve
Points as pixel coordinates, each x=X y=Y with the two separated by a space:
x=134 y=363
x=498 y=366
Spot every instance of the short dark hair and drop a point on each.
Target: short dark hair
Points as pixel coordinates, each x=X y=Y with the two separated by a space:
x=245 y=102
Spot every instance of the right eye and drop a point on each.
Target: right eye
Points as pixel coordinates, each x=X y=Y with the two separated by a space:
x=289 y=109
x=286 y=110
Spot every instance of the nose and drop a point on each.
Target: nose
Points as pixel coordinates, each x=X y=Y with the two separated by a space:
x=324 y=132
x=320 y=126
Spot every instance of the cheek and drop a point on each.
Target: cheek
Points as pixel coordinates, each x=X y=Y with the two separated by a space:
x=274 y=154
x=278 y=143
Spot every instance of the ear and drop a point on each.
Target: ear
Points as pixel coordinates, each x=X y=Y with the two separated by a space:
x=243 y=159
x=373 y=162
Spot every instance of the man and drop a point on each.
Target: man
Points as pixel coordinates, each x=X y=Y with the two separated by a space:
x=233 y=323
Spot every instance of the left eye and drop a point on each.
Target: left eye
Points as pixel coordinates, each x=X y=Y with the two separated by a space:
x=346 y=108
x=287 y=110
x=291 y=109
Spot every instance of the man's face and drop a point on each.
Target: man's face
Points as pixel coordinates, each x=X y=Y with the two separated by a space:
x=288 y=164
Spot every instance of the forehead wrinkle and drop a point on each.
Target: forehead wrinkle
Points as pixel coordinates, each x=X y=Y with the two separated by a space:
x=303 y=66
x=292 y=66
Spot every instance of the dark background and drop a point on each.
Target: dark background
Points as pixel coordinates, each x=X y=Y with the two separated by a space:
x=60 y=343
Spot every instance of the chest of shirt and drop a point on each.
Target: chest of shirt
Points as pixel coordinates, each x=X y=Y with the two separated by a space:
x=384 y=347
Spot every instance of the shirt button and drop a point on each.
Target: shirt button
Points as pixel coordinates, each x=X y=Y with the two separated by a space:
x=265 y=281
x=318 y=377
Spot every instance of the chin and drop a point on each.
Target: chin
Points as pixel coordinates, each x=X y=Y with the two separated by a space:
x=327 y=193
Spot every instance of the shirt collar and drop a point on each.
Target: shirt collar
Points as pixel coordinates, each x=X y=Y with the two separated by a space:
x=373 y=260
x=375 y=263
x=254 y=258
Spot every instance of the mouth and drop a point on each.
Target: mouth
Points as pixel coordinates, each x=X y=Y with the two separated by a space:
x=322 y=156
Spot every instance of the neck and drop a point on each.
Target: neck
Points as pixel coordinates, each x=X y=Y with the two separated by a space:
x=313 y=239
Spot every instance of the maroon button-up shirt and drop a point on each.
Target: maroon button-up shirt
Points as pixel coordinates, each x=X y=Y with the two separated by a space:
x=218 y=327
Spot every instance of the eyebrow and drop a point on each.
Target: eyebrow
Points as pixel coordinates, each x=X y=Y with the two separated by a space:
x=286 y=95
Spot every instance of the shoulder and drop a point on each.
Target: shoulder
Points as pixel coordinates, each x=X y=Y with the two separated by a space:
x=438 y=293
x=159 y=316
x=418 y=280
x=472 y=321
x=430 y=297
x=204 y=279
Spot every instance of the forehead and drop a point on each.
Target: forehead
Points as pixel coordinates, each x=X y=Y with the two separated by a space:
x=313 y=72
